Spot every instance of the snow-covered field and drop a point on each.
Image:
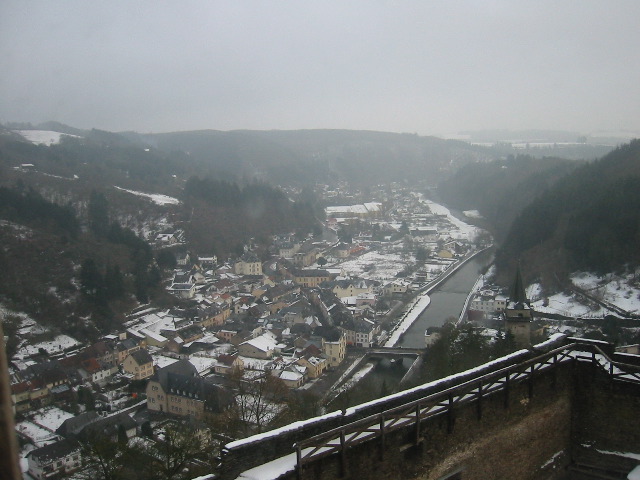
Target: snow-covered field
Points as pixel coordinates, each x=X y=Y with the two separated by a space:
x=57 y=345
x=156 y=198
x=45 y=137
x=377 y=265
x=562 y=304
x=462 y=231
x=472 y=214
x=614 y=289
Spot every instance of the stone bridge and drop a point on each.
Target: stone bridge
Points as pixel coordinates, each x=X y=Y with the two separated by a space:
x=395 y=351
x=564 y=409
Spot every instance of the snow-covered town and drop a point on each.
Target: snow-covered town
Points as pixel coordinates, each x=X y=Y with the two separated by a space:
x=298 y=317
x=288 y=316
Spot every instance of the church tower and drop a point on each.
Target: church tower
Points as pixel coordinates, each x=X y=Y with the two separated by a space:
x=518 y=313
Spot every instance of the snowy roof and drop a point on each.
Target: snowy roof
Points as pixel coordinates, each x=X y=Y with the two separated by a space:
x=290 y=376
x=152 y=335
x=264 y=342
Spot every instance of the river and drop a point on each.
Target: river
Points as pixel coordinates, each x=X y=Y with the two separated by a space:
x=447 y=300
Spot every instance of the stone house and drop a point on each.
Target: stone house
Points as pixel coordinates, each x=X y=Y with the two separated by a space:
x=315 y=365
x=126 y=347
x=139 y=364
x=335 y=351
x=248 y=264
x=310 y=278
x=228 y=364
x=178 y=390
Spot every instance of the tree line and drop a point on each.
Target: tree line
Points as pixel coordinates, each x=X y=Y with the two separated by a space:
x=26 y=206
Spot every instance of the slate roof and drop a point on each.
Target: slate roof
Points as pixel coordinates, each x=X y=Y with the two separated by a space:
x=142 y=357
x=74 y=425
x=181 y=367
x=227 y=359
x=108 y=426
x=54 y=451
x=126 y=344
x=215 y=397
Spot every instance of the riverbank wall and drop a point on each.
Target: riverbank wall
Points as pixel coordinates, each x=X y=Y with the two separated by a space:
x=422 y=301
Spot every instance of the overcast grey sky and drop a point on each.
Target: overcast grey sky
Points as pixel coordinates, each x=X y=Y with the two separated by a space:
x=431 y=67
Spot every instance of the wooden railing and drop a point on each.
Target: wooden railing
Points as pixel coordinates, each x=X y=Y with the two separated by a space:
x=412 y=414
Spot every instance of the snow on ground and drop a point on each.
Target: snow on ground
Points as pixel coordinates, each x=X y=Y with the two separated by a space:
x=254 y=363
x=567 y=305
x=51 y=418
x=359 y=375
x=24 y=462
x=385 y=264
x=25 y=320
x=413 y=312
x=472 y=214
x=465 y=231
x=562 y=304
x=257 y=409
x=46 y=137
x=154 y=197
x=614 y=289
x=57 y=345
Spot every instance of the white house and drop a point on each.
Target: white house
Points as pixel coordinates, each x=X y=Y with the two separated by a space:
x=59 y=458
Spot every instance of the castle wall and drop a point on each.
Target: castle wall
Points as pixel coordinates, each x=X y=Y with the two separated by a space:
x=528 y=440
x=555 y=419
x=606 y=418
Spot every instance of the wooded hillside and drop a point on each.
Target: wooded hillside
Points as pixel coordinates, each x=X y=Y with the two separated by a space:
x=588 y=220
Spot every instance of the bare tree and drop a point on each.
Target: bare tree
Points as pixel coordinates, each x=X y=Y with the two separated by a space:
x=178 y=452
x=104 y=459
x=259 y=400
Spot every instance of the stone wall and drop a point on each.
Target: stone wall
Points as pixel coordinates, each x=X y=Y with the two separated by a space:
x=530 y=439
x=606 y=422
x=565 y=420
x=253 y=451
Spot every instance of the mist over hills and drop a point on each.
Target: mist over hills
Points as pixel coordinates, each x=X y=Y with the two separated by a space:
x=307 y=156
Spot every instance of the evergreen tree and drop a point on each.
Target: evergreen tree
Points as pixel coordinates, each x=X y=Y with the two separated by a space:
x=98 y=214
x=114 y=283
x=91 y=280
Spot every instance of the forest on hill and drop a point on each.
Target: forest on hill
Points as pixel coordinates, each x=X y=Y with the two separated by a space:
x=75 y=233
x=309 y=156
x=501 y=189
x=587 y=220
x=235 y=214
